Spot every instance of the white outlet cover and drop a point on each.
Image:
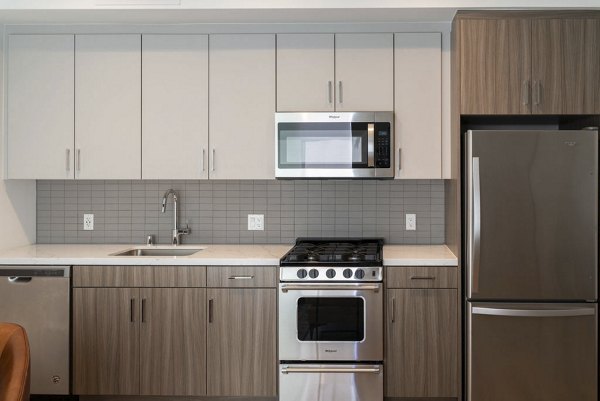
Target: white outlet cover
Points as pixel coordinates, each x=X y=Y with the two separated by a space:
x=256 y=222
x=411 y=222
x=88 y=222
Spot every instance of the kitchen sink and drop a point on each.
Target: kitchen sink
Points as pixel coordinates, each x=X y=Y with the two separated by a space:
x=158 y=252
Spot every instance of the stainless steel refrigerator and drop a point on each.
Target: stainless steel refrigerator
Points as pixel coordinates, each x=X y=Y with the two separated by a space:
x=531 y=265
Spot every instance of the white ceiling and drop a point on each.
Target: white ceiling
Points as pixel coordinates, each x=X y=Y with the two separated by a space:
x=256 y=11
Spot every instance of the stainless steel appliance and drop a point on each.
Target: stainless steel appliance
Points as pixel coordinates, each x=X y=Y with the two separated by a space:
x=331 y=320
x=37 y=298
x=334 y=145
x=532 y=265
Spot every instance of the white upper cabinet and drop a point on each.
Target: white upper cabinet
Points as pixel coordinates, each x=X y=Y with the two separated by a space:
x=418 y=105
x=341 y=72
x=40 y=103
x=174 y=106
x=242 y=106
x=364 y=72
x=305 y=72
x=108 y=106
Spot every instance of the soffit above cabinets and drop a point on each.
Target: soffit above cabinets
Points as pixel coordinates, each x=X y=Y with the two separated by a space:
x=255 y=11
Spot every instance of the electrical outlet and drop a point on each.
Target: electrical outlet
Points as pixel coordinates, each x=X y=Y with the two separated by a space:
x=88 y=222
x=256 y=222
x=411 y=222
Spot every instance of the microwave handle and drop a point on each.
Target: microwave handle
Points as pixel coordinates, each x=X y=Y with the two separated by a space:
x=371 y=145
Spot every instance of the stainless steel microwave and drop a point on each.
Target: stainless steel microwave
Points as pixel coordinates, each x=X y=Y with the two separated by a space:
x=334 y=145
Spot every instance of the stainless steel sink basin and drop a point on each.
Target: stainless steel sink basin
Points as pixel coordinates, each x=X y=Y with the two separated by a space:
x=158 y=252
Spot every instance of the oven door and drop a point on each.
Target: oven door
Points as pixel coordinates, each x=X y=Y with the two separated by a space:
x=334 y=382
x=332 y=145
x=330 y=322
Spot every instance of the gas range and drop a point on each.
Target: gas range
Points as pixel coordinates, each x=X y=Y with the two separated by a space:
x=333 y=260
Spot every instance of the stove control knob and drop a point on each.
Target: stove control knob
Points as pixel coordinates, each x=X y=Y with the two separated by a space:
x=301 y=273
x=313 y=273
x=348 y=273
x=359 y=274
x=330 y=273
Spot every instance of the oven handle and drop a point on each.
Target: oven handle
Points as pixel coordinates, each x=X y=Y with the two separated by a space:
x=287 y=370
x=317 y=287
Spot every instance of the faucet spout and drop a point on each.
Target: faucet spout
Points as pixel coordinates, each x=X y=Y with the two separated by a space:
x=177 y=233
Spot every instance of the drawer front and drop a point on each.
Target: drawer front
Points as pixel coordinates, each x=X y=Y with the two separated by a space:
x=242 y=276
x=139 y=276
x=421 y=277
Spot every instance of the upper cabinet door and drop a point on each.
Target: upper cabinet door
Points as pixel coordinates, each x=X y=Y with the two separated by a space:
x=40 y=106
x=566 y=66
x=108 y=106
x=305 y=72
x=364 y=72
x=174 y=106
x=495 y=66
x=418 y=106
x=242 y=106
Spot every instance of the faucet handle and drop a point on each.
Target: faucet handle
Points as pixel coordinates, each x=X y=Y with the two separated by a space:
x=150 y=240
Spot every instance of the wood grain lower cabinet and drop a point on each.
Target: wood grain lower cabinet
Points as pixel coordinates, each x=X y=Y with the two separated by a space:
x=421 y=343
x=241 y=345
x=106 y=348
x=173 y=341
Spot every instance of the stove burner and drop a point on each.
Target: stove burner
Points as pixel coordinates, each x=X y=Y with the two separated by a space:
x=335 y=251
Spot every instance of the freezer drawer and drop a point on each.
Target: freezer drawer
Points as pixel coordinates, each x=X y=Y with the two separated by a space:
x=331 y=382
x=532 y=215
x=530 y=352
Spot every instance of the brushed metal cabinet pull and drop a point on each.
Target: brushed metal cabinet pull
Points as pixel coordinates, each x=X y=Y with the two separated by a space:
x=210 y=311
x=330 y=91
x=399 y=159
x=132 y=310
x=240 y=278
x=68 y=159
x=393 y=310
x=525 y=94
x=422 y=278
x=203 y=159
x=340 y=96
x=212 y=161
x=143 y=310
x=78 y=159
x=537 y=93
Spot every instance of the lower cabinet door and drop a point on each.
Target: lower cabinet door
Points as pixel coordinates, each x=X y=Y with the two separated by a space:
x=173 y=341
x=421 y=343
x=241 y=345
x=106 y=352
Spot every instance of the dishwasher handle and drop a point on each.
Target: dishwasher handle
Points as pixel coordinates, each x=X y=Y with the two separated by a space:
x=19 y=279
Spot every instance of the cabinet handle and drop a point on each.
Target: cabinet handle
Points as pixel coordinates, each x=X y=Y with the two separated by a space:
x=68 y=159
x=78 y=159
x=526 y=92
x=143 y=310
x=422 y=278
x=131 y=310
x=393 y=310
x=241 y=277
x=399 y=159
x=537 y=89
x=330 y=91
x=210 y=311
x=340 y=98
x=203 y=159
x=212 y=161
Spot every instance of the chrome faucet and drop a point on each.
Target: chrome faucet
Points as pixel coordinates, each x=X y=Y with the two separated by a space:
x=177 y=232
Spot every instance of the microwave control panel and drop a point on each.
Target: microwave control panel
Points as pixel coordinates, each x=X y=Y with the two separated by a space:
x=383 y=145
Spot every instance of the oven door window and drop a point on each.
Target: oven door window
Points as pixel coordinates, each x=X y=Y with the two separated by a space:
x=331 y=319
x=322 y=145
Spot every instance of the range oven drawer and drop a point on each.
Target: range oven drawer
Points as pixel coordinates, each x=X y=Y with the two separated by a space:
x=332 y=382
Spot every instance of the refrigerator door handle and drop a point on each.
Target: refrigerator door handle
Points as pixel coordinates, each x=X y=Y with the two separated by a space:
x=533 y=312
x=475 y=246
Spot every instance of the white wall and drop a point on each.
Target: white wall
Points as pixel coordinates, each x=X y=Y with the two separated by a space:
x=17 y=198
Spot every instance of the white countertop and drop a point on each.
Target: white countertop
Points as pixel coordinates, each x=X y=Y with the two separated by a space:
x=211 y=255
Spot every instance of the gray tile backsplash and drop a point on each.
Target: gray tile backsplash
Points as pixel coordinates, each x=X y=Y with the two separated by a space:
x=216 y=211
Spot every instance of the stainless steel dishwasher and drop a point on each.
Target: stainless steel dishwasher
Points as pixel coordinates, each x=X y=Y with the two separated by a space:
x=37 y=298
